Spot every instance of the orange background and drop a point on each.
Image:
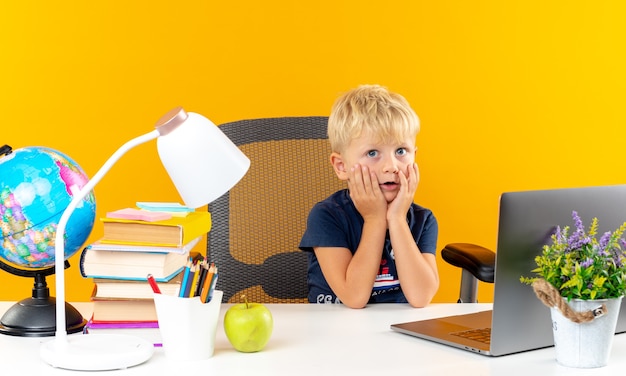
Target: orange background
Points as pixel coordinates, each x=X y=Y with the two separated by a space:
x=512 y=95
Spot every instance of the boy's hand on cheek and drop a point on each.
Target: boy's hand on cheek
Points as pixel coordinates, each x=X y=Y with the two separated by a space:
x=365 y=193
x=408 y=185
x=413 y=176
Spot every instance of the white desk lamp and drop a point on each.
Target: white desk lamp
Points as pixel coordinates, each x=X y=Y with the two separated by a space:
x=203 y=164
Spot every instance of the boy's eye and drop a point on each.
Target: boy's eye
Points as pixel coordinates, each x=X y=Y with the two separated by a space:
x=401 y=151
x=372 y=153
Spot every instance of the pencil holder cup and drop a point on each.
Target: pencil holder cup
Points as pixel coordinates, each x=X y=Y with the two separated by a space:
x=187 y=325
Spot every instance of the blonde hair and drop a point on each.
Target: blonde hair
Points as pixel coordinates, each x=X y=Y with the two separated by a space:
x=370 y=108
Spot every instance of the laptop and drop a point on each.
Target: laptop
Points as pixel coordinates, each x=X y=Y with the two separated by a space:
x=519 y=321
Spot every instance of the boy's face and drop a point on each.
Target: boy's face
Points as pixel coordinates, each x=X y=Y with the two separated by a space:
x=384 y=158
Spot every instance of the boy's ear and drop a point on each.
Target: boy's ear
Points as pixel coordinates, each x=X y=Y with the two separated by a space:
x=339 y=166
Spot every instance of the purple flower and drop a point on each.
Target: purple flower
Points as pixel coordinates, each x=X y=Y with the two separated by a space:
x=577 y=242
x=578 y=222
x=587 y=263
x=560 y=235
x=604 y=240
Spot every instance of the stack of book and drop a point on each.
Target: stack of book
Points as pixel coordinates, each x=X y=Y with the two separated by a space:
x=136 y=243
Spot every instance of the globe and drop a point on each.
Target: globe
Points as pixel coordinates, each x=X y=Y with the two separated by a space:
x=36 y=186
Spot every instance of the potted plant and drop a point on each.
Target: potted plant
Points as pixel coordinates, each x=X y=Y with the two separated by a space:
x=582 y=279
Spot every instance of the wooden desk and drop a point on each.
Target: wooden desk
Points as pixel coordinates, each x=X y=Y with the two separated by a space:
x=311 y=339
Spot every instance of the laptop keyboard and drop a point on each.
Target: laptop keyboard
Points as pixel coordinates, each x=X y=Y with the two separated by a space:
x=481 y=335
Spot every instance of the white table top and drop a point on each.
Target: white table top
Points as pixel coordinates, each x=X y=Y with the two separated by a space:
x=310 y=339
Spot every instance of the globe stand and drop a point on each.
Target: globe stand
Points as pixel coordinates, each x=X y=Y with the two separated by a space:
x=36 y=316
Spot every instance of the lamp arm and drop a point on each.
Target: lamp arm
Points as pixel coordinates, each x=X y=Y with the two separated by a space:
x=59 y=243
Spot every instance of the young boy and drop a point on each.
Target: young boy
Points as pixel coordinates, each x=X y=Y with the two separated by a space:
x=371 y=243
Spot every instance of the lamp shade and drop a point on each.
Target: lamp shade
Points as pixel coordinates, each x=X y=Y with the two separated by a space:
x=201 y=161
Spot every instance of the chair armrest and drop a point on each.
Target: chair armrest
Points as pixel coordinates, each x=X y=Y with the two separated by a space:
x=477 y=260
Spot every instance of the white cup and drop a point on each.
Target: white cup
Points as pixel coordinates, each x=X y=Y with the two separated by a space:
x=188 y=326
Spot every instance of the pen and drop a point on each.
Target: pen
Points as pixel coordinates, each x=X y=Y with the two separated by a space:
x=203 y=273
x=183 y=285
x=195 y=269
x=204 y=294
x=153 y=284
x=212 y=289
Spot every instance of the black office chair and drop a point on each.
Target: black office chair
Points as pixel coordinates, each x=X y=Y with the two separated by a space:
x=257 y=226
x=476 y=263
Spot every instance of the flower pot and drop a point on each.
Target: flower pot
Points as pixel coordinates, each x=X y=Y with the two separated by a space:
x=588 y=344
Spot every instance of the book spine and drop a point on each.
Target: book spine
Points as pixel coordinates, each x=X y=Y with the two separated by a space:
x=142 y=278
x=123 y=324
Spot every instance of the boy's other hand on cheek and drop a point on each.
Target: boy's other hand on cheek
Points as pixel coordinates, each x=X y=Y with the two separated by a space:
x=408 y=185
x=365 y=193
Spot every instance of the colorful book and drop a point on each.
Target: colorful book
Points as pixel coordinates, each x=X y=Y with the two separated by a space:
x=129 y=289
x=106 y=324
x=166 y=207
x=139 y=215
x=115 y=309
x=148 y=330
x=173 y=232
x=131 y=265
x=103 y=246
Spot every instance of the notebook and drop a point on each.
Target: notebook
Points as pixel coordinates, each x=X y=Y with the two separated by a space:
x=519 y=321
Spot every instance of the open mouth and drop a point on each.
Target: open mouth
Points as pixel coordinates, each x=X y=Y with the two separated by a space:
x=389 y=185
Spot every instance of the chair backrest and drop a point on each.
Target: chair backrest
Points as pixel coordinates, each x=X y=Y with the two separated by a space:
x=257 y=226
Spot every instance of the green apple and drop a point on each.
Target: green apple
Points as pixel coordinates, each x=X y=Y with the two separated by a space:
x=248 y=326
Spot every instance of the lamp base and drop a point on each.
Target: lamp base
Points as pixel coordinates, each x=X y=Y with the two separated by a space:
x=96 y=352
x=36 y=317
